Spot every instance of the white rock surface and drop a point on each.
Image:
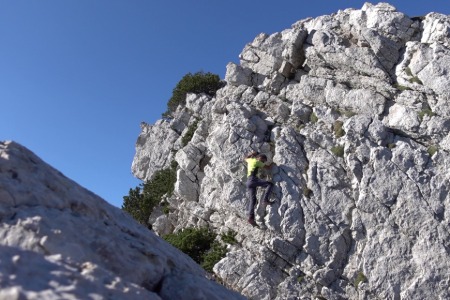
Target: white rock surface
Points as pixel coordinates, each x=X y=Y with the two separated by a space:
x=352 y=108
x=60 y=241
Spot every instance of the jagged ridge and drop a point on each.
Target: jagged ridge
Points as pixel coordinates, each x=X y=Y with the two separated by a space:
x=361 y=213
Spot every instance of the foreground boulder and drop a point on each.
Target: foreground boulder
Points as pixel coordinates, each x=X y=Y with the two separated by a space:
x=60 y=241
x=354 y=109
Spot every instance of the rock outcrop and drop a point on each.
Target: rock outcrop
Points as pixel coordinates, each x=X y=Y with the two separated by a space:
x=60 y=241
x=354 y=110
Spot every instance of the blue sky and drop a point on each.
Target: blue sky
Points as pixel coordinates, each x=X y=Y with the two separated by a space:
x=77 y=77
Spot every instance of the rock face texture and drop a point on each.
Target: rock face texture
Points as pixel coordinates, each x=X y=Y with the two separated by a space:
x=354 y=110
x=60 y=241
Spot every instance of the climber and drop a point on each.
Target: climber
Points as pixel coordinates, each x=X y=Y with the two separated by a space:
x=255 y=161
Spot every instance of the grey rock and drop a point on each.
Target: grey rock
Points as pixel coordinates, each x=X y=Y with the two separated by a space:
x=61 y=241
x=195 y=103
x=353 y=109
x=237 y=75
x=154 y=147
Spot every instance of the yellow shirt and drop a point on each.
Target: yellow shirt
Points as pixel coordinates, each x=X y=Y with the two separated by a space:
x=252 y=166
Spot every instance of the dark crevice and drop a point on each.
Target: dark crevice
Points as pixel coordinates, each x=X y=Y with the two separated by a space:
x=204 y=161
x=404 y=135
x=14 y=174
x=158 y=287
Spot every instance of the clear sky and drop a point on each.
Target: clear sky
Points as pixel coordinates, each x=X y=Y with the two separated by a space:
x=77 y=77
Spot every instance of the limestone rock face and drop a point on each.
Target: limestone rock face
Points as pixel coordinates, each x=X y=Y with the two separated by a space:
x=60 y=241
x=354 y=110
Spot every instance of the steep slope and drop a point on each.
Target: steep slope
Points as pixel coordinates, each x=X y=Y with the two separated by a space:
x=60 y=241
x=354 y=110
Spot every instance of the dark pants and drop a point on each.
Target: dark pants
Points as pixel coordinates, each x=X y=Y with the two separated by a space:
x=252 y=183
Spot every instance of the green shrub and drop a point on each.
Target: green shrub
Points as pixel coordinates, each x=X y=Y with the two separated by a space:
x=408 y=71
x=165 y=206
x=347 y=113
x=391 y=145
x=307 y=191
x=416 y=79
x=432 y=150
x=195 y=242
x=360 y=278
x=197 y=83
x=299 y=128
x=413 y=79
x=338 y=151
x=162 y=183
x=426 y=111
x=313 y=118
x=338 y=130
x=229 y=237
x=138 y=204
x=187 y=137
x=141 y=201
x=200 y=244
x=401 y=87
x=213 y=256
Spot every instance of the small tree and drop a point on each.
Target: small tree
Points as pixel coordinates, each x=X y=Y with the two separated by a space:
x=138 y=204
x=200 y=244
x=197 y=83
x=162 y=183
x=213 y=256
x=141 y=201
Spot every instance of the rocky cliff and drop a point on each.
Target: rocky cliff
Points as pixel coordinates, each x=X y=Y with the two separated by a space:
x=354 y=110
x=60 y=241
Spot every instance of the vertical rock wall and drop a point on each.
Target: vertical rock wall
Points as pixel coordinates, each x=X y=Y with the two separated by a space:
x=353 y=109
